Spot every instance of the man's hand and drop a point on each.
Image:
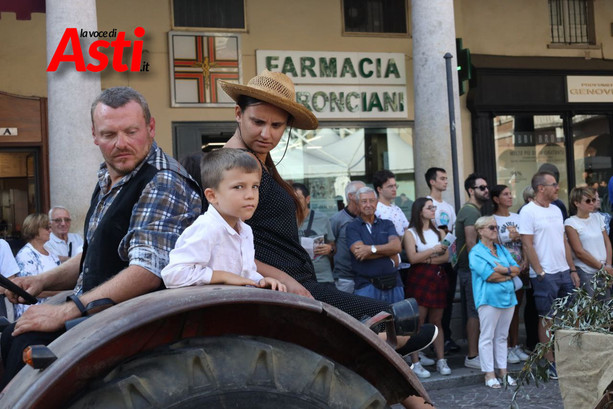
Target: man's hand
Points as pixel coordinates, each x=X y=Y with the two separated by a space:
x=362 y=251
x=45 y=318
x=575 y=279
x=31 y=284
x=323 y=250
x=273 y=284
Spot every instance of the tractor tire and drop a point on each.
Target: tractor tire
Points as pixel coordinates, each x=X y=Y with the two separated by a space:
x=236 y=372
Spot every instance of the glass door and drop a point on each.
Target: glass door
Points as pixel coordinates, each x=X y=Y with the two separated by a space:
x=592 y=153
x=526 y=144
x=19 y=190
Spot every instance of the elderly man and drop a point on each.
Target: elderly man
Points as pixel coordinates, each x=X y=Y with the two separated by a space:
x=142 y=202
x=374 y=247
x=343 y=274
x=61 y=242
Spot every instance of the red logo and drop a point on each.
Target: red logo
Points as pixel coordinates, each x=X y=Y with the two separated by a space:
x=118 y=45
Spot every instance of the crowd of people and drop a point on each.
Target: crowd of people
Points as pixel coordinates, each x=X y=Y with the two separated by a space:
x=165 y=228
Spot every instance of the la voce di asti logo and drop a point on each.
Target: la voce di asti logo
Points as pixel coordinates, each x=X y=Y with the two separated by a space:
x=118 y=45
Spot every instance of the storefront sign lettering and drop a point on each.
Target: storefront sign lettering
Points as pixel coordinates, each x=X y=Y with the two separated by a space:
x=8 y=131
x=589 y=88
x=343 y=85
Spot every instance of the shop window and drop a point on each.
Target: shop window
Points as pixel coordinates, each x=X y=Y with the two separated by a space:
x=526 y=144
x=213 y=14
x=592 y=153
x=375 y=16
x=328 y=158
x=572 y=21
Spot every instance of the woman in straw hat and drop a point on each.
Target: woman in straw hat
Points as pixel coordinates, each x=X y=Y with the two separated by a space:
x=265 y=107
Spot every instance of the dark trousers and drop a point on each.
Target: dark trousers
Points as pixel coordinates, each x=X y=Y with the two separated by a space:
x=531 y=320
x=452 y=278
x=12 y=349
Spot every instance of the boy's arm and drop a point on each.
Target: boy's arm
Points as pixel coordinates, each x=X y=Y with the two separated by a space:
x=188 y=261
x=225 y=277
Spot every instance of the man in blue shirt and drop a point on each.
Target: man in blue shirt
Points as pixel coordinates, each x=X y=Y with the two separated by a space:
x=375 y=248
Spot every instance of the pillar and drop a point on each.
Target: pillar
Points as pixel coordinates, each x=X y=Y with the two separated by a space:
x=433 y=29
x=73 y=157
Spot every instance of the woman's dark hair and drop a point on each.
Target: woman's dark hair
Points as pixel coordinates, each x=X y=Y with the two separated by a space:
x=416 y=220
x=191 y=163
x=245 y=102
x=495 y=192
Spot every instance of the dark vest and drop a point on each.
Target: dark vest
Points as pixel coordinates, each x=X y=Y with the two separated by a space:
x=100 y=260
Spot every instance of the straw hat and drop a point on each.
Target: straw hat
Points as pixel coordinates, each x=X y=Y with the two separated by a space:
x=276 y=89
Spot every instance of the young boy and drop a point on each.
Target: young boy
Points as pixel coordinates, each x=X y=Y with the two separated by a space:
x=218 y=247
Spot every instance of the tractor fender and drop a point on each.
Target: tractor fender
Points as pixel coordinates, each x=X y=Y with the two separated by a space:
x=94 y=347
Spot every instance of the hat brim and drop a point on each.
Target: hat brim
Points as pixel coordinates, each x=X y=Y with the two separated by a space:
x=303 y=118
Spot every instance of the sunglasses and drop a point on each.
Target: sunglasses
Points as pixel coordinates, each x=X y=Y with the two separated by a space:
x=492 y=228
x=431 y=207
x=590 y=200
x=482 y=188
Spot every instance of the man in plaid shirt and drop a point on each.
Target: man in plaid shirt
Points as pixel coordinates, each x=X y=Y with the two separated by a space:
x=141 y=204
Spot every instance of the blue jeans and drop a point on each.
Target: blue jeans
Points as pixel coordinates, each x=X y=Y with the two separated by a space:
x=390 y=296
x=550 y=287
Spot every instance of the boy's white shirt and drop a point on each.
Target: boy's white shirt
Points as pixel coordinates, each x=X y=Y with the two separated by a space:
x=210 y=243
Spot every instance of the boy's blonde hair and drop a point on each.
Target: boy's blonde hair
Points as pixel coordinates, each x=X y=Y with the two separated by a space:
x=214 y=163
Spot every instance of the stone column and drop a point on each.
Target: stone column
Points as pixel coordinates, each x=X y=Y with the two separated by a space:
x=433 y=29
x=73 y=157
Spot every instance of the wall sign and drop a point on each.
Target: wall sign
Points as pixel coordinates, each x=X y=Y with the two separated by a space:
x=344 y=85
x=198 y=63
x=8 y=132
x=589 y=88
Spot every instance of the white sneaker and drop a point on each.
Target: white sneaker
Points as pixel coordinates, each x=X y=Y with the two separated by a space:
x=420 y=371
x=442 y=367
x=511 y=357
x=474 y=363
x=520 y=353
x=424 y=360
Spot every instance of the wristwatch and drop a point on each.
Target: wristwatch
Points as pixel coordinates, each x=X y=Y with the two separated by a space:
x=373 y=249
x=542 y=274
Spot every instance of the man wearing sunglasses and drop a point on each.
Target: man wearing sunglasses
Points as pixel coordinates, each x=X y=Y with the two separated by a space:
x=552 y=271
x=478 y=193
x=61 y=242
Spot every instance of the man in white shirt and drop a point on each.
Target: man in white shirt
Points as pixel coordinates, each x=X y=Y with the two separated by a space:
x=384 y=183
x=552 y=271
x=62 y=243
x=436 y=178
x=444 y=217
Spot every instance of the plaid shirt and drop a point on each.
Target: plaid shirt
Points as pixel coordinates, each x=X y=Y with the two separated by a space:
x=166 y=207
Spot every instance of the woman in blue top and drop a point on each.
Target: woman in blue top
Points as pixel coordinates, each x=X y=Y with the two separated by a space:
x=493 y=269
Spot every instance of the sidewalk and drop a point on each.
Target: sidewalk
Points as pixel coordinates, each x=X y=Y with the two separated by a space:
x=464 y=388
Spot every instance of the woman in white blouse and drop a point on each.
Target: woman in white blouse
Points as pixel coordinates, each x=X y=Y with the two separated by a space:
x=587 y=237
x=33 y=259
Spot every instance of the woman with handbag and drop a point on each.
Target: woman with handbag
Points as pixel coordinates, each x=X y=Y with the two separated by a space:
x=509 y=237
x=426 y=280
x=493 y=269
